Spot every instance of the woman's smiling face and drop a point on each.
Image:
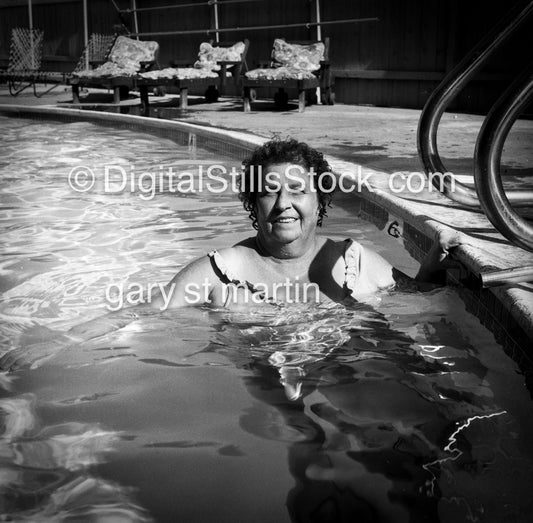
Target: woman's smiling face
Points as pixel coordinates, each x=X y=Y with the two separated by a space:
x=287 y=206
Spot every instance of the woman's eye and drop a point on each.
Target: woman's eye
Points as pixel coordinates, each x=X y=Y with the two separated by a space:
x=298 y=190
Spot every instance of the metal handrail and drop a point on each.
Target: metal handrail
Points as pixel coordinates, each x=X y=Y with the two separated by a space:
x=488 y=152
x=445 y=92
x=493 y=278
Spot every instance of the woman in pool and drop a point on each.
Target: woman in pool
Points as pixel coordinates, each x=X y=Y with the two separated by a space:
x=286 y=189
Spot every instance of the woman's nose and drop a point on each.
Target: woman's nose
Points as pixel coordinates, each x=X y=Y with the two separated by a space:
x=283 y=201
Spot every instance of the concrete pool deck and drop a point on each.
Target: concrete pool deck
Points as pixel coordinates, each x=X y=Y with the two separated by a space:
x=380 y=141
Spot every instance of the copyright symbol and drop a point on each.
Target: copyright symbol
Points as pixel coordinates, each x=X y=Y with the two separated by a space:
x=81 y=179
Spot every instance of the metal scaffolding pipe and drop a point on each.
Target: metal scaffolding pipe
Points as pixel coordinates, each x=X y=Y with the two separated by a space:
x=30 y=25
x=318 y=37
x=488 y=152
x=256 y=28
x=135 y=18
x=447 y=90
x=179 y=6
x=215 y=14
x=86 y=33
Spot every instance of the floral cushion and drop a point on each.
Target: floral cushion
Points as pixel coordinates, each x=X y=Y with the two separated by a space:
x=208 y=56
x=204 y=67
x=125 y=58
x=180 y=73
x=106 y=70
x=279 y=73
x=297 y=56
x=129 y=52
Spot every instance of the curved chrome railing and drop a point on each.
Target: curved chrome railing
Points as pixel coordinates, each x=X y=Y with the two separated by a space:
x=446 y=91
x=487 y=158
x=489 y=192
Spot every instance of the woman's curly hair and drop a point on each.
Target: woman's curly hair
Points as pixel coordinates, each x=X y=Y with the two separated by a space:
x=284 y=151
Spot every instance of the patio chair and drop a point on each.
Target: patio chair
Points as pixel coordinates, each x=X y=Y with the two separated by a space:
x=125 y=60
x=26 y=61
x=93 y=54
x=295 y=65
x=25 y=56
x=216 y=63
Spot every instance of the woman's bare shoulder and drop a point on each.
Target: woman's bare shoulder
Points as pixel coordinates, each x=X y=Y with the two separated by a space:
x=239 y=253
x=366 y=270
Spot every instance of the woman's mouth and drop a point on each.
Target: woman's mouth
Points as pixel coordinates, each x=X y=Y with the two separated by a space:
x=285 y=220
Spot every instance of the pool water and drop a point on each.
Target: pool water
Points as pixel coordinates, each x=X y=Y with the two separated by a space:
x=401 y=409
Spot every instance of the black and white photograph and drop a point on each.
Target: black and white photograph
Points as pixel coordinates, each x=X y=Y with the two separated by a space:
x=266 y=261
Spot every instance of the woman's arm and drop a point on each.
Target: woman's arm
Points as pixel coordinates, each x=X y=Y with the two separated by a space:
x=196 y=284
x=438 y=259
x=432 y=271
x=191 y=286
x=376 y=273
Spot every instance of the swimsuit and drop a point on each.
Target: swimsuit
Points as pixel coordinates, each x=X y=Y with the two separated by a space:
x=352 y=259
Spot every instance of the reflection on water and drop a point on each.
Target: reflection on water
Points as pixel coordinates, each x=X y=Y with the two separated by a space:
x=403 y=410
x=390 y=429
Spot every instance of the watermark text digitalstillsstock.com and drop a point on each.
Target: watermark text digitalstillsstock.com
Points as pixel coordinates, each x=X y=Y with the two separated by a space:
x=217 y=179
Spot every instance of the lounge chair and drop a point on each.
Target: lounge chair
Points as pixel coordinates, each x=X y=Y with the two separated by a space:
x=125 y=60
x=295 y=65
x=25 y=61
x=216 y=63
x=25 y=56
x=93 y=54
